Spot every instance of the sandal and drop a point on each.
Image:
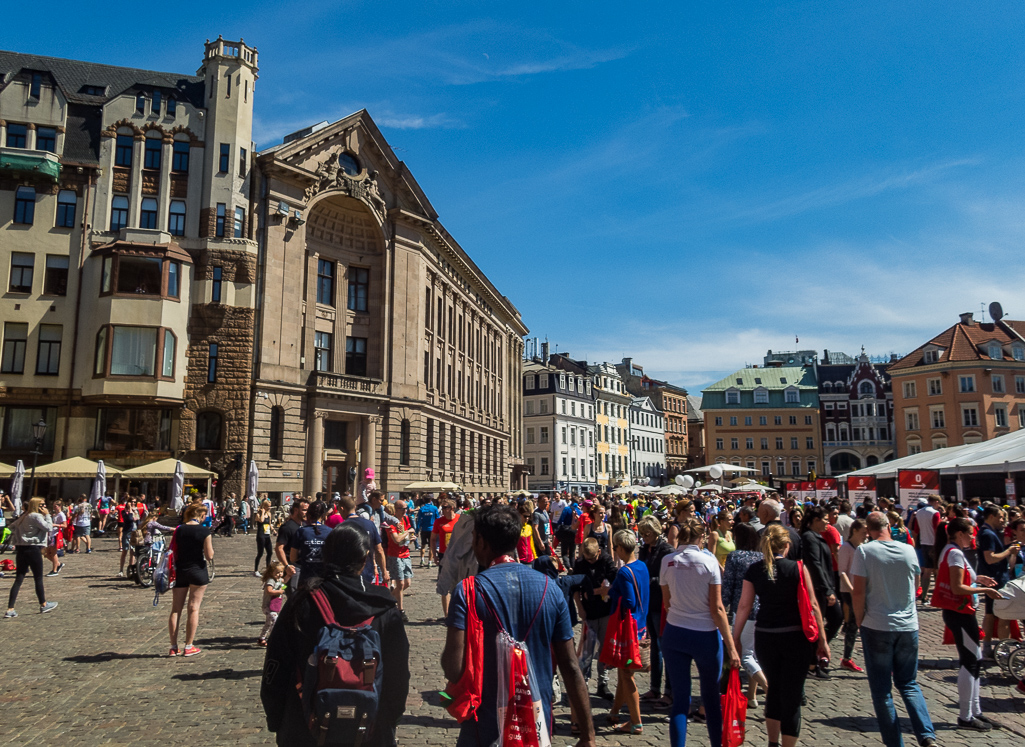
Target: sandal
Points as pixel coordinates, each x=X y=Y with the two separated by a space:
x=651 y=695
x=629 y=728
x=613 y=718
x=574 y=729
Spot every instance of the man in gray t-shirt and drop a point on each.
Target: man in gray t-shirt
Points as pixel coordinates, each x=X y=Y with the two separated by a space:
x=885 y=575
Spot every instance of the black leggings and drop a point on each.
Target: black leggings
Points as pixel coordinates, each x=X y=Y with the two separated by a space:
x=962 y=624
x=27 y=557
x=785 y=670
x=262 y=546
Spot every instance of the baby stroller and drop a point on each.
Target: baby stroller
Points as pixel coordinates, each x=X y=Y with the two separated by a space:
x=1010 y=654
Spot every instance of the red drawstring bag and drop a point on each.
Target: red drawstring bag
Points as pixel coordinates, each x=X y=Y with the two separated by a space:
x=808 y=622
x=621 y=649
x=463 y=697
x=734 y=712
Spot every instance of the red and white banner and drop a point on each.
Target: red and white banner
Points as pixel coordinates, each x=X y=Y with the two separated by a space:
x=916 y=485
x=807 y=491
x=825 y=488
x=793 y=490
x=1009 y=488
x=861 y=489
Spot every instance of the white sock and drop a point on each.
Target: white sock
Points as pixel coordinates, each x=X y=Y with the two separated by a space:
x=965 y=693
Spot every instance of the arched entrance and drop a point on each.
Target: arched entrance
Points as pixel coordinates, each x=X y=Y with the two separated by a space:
x=843 y=462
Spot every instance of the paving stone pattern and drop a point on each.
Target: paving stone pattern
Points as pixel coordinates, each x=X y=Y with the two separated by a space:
x=95 y=671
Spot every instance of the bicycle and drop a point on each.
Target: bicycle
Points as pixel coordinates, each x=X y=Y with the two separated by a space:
x=149 y=556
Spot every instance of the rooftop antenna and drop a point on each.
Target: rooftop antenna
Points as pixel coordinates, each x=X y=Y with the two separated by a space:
x=982 y=307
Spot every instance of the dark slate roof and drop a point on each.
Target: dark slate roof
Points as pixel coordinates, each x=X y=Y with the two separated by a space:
x=82 y=134
x=72 y=75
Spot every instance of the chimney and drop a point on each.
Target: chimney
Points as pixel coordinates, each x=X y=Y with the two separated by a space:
x=544 y=352
x=968 y=318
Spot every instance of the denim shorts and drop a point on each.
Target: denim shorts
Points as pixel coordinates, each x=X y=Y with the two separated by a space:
x=400 y=568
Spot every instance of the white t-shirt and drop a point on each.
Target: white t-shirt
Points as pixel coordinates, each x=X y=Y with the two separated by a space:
x=927 y=520
x=688 y=573
x=846 y=557
x=555 y=511
x=83 y=515
x=843 y=526
x=957 y=558
x=60 y=518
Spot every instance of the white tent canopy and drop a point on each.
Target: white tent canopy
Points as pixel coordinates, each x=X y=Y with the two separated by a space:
x=164 y=470
x=72 y=468
x=999 y=455
x=725 y=468
x=433 y=486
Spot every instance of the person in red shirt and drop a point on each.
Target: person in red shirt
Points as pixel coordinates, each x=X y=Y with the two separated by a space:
x=440 y=536
x=832 y=536
x=400 y=567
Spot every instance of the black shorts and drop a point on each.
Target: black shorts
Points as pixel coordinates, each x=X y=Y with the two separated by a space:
x=81 y=531
x=927 y=557
x=425 y=538
x=192 y=576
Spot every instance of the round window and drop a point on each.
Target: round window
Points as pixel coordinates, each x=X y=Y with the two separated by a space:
x=349 y=164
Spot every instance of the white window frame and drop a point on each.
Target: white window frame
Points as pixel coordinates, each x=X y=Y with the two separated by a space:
x=966 y=379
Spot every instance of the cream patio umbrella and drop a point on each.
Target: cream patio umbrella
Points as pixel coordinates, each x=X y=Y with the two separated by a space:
x=74 y=468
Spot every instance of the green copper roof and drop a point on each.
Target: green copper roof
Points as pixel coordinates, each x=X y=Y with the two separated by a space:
x=769 y=378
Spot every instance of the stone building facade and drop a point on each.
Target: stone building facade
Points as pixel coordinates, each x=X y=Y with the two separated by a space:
x=126 y=319
x=377 y=335
x=672 y=402
x=612 y=426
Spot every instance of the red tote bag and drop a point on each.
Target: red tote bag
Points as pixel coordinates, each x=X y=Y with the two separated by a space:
x=808 y=621
x=621 y=649
x=734 y=712
x=463 y=698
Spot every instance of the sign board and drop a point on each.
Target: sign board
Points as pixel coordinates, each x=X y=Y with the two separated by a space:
x=825 y=488
x=862 y=489
x=793 y=490
x=917 y=485
x=807 y=491
x=1012 y=496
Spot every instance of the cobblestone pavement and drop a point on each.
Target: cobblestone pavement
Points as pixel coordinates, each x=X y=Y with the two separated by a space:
x=95 y=672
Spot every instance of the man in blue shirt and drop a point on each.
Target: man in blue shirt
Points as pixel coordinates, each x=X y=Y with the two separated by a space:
x=347 y=505
x=993 y=562
x=425 y=525
x=531 y=610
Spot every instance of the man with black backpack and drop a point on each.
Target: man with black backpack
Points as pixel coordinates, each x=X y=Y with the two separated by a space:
x=509 y=597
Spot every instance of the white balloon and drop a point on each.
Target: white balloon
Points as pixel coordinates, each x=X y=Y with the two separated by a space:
x=697 y=483
x=687 y=481
x=681 y=480
x=715 y=472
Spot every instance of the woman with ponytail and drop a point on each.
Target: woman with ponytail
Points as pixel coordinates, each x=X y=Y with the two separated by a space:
x=780 y=643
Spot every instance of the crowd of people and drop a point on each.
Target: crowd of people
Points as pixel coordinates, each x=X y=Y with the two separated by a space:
x=763 y=586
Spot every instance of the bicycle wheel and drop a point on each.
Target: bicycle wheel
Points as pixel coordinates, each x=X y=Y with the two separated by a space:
x=1016 y=663
x=144 y=571
x=1002 y=652
x=210 y=570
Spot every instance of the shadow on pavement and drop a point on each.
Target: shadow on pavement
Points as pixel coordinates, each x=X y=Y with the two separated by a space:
x=227 y=643
x=219 y=674
x=108 y=656
x=430 y=721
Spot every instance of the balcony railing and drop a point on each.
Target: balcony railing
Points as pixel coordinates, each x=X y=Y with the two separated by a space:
x=345 y=383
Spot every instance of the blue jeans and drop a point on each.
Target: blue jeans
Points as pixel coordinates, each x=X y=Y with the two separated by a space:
x=895 y=654
x=681 y=646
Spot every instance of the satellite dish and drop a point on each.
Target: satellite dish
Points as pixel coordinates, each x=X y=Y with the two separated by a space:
x=996 y=312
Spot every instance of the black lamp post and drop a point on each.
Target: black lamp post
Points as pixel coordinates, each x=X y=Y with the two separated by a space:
x=38 y=432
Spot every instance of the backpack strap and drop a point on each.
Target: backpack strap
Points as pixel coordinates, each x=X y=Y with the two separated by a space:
x=498 y=620
x=324 y=607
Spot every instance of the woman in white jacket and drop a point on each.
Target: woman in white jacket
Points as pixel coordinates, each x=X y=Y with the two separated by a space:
x=29 y=534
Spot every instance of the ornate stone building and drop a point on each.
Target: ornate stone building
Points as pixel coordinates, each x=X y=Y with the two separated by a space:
x=378 y=338
x=129 y=261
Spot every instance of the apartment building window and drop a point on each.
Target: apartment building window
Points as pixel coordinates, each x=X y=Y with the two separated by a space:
x=1000 y=416
x=914 y=447
x=176 y=218
x=935 y=387
x=55 y=281
x=133 y=351
x=792 y=396
x=322 y=351
x=242 y=163
x=211 y=364
x=793 y=443
x=151 y=153
x=67 y=201
x=22 y=269
x=777 y=420
x=911 y=420
x=140 y=104
x=24 y=205
x=564 y=434
x=180 y=155
x=762 y=420
x=15 y=339
x=1019 y=384
x=326 y=282
x=998 y=384
x=910 y=390
x=747 y=420
x=764 y=444
x=277 y=420
x=530 y=435
x=761 y=396
x=118 y=213
x=356 y=356
x=718 y=444
x=167 y=361
x=809 y=443
x=733 y=398
x=734 y=443
x=148 y=213
x=209 y=427
x=807 y=420
x=219 y=222
x=733 y=420
x=795 y=468
x=46 y=139
x=17 y=136
x=573 y=466
x=1021 y=416
x=404 y=443
x=749 y=443
x=573 y=436
x=966 y=383
x=359 y=288
x=225 y=158
x=779 y=443
x=430 y=442
x=124 y=146
x=969 y=416
x=544 y=465
x=133 y=429
x=718 y=420
x=939 y=420
x=215 y=285
x=240 y=222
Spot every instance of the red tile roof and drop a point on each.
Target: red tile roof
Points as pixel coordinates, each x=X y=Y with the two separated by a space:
x=962 y=342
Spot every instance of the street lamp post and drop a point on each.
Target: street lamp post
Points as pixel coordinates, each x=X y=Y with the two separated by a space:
x=38 y=432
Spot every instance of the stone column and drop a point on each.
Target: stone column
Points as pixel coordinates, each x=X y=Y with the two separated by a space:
x=315 y=452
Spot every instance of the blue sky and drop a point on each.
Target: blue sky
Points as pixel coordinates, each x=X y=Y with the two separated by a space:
x=689 y=184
